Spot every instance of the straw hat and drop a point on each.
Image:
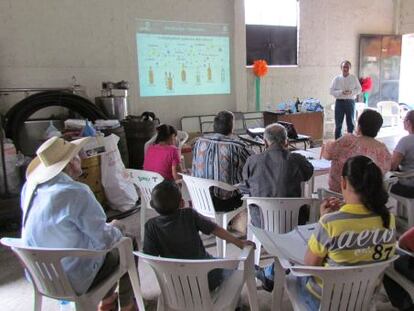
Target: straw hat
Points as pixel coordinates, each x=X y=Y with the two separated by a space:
x=52 y=157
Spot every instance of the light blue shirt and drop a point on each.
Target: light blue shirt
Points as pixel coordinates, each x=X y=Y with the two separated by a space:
x=65 y=214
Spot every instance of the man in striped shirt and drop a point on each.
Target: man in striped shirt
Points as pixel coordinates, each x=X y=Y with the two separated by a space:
x=221 y=156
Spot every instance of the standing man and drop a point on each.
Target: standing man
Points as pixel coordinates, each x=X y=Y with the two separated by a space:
x=345 y=88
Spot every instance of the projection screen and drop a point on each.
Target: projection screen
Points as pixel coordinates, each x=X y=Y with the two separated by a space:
x=179 y=58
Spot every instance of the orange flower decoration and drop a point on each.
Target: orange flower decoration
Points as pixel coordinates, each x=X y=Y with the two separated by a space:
x=260 y=68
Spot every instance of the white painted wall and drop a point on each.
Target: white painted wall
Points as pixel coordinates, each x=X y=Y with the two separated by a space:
x=43 y=43
x=406 y=16
x=329 y=32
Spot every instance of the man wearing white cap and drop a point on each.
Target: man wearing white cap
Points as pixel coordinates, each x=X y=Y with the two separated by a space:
x=59 y=212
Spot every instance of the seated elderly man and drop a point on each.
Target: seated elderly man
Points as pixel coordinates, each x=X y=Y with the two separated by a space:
x=274 y=173
x=221 y=156
x=59 y=212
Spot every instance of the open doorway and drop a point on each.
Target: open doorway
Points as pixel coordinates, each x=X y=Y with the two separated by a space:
x=406 y=90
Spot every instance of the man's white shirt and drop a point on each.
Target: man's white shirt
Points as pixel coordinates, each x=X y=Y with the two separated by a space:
x=341 y=84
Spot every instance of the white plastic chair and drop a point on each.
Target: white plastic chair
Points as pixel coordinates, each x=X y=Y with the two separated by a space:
x=199 y=190
x=405 y=206
x=359 y=108
x=390 y=111
x=184 y=283
x=50 y=280
x=344 y=288
x=280 y=215
x=145 y=181
x=182 y=138
x=399 y=278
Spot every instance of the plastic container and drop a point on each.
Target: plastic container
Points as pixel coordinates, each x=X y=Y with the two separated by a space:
x=65 y=305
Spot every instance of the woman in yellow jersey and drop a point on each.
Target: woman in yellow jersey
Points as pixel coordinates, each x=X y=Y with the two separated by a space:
x=361 y=231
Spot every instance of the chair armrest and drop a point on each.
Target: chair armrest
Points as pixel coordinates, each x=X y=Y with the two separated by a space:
x=402 y=251
x=246 y=252
x=224 y=186
x=399 y=174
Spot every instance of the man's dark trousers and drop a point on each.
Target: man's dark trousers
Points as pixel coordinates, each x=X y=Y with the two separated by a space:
x=344 y=107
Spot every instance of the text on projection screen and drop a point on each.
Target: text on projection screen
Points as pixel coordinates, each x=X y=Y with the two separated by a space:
x=176 y=58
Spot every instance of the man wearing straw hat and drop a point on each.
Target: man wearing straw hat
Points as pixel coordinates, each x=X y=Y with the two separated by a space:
x=59 y=212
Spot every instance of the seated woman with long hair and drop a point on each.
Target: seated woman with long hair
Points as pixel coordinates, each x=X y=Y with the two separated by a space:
x=361 y=143
x=364 y=218
x=163 y=156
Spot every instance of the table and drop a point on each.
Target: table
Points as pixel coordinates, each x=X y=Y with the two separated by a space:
x=259 y=142
x=307 y=123
x=320 y=166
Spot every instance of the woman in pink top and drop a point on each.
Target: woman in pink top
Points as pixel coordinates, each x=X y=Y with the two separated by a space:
x=163 y=156
x=363 y=143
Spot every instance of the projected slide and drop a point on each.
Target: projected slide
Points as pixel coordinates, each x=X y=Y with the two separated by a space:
x=182 y=59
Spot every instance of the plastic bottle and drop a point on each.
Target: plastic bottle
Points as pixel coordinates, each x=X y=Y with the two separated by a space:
x=65 y=305
x=297 y=104
x=88 y=130
x=51 y=131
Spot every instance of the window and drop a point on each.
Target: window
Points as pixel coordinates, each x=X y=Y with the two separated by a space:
x=271 y=31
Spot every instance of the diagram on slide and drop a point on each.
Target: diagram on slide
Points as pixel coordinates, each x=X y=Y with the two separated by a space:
x=171 y=65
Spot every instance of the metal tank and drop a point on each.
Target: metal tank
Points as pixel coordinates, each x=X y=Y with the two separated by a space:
x=114 y=99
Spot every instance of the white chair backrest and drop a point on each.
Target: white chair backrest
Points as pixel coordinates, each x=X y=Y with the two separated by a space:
x=280 y=215
x=347 y=288
x=145 y=181
x=45 y=267
x=199 y=190
x=388 y=107
x=182 y=138
x=184 y=283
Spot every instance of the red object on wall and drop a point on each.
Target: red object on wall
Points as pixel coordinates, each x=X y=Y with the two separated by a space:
x=366 y=84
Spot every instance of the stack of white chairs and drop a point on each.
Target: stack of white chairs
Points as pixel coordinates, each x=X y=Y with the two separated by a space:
x=404 y=211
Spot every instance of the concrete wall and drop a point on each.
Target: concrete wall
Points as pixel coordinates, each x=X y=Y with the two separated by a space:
x=406 y=15
x=328 y=33
x=43 y=43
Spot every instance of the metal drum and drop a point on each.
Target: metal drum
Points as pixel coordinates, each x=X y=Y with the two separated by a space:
x=114 y=107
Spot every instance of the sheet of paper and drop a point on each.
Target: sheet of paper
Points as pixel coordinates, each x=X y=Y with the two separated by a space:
x=291 y=246
x=320 y=164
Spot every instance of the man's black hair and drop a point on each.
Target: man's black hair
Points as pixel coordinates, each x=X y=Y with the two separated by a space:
x=223 y=122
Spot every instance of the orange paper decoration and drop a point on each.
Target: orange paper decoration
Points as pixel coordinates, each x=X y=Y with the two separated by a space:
x=260 y=68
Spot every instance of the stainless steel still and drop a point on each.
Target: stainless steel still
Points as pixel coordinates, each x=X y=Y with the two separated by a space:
x=115 y=107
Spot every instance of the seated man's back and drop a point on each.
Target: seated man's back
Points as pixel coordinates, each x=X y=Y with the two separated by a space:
x=276 y=172
x=65 y=214
x=219 y=157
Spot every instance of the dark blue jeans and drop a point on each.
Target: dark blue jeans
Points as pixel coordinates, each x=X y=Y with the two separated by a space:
x=344 y=107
